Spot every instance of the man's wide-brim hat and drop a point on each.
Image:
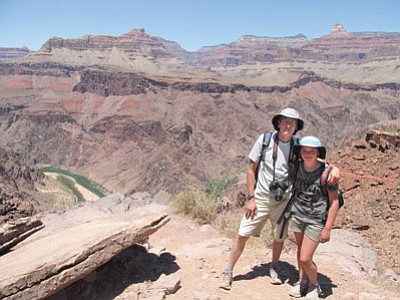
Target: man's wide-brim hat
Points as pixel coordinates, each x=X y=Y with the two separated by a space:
x=289 y=113
x=310 y=141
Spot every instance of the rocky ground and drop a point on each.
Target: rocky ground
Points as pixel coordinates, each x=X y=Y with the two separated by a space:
x=201 y=253
x=185 y=260
x=371 y=185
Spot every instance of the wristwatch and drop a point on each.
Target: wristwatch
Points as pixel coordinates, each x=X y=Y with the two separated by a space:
x=249 y=197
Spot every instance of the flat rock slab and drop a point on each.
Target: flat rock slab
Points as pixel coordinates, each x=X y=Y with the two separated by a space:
x=54 y=259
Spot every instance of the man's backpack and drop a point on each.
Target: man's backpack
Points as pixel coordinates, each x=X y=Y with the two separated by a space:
x=324 y=185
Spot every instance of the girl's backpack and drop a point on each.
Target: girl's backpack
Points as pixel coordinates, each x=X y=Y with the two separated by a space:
x=324 y=185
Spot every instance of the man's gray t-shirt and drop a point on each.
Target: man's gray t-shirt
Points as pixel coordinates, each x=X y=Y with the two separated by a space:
x=266 y=168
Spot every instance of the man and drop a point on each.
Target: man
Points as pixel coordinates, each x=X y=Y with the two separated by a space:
x=268 y=197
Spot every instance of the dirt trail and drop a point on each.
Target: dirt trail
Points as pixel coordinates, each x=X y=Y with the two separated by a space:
x=201 y=254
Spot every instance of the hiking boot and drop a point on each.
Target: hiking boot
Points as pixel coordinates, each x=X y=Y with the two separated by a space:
x=274 y=276
x=227 y=279
x=299 y=289
x=314 y=292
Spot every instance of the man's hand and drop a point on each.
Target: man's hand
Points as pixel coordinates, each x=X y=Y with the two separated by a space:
x=334 y=176
x=251 y=208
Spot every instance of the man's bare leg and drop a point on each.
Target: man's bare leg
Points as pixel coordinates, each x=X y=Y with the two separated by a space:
x=238 y=246
x=277 y=248
x=237 y=250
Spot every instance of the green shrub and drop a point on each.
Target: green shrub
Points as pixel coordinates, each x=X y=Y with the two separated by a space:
x=197 y=205
x=215 y=188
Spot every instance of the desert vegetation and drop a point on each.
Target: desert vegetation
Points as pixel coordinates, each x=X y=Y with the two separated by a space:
x=201 y=205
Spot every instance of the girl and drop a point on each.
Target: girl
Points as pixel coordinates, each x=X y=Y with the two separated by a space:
x=312 y=214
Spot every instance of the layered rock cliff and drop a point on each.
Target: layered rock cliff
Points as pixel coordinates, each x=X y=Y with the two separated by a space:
x=137 y=112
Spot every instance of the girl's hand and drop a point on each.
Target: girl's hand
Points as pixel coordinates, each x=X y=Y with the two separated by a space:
x=334 y=176
x=325 y=236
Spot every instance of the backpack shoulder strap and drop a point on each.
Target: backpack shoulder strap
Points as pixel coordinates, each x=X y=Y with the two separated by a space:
x=294 y=141
x=324 y=178
x=293 y=158
x=266 y=142
x=267 y=138
x=324 y=184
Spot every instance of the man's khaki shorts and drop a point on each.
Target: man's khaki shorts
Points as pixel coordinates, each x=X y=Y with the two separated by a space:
x=266 y=210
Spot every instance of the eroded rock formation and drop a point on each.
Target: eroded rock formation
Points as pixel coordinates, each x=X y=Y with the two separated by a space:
x=74 y=244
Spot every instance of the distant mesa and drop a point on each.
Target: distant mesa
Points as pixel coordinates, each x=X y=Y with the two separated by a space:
x=135 y=32
x=13 y=53
x=339 y=29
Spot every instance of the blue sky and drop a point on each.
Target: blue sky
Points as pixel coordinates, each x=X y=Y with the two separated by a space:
x=191 y=23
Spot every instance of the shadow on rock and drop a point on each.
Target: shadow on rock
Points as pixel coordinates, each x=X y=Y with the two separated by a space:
x=326 y=284
x=133 y=266
x=288 y=274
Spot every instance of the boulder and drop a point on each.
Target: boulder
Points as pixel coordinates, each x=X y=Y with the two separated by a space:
x=76 y=243
x=351 y=252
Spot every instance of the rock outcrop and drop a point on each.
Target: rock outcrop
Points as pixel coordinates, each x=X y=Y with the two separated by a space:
x=15 y=231
x=18 y=177
x=74 y=244
x=383 y=140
